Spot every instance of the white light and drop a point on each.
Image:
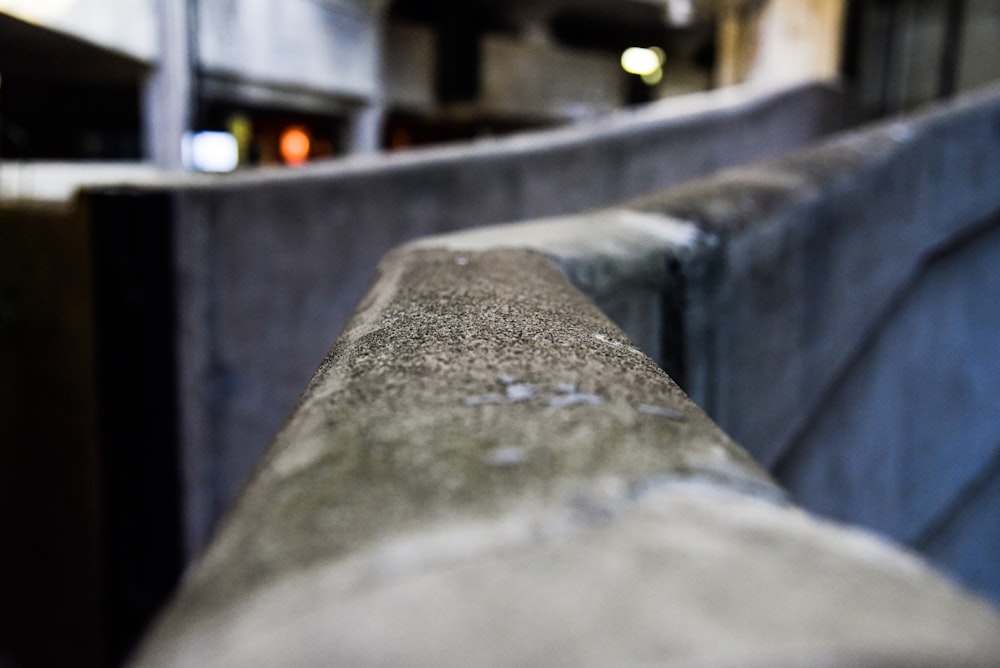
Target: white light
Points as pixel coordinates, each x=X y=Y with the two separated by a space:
x=681 y=12
x=636 y=60
x=210 y=151
x=36 y=11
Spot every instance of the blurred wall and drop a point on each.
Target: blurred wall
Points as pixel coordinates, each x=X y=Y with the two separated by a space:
x=328 y=48
x=527 y=78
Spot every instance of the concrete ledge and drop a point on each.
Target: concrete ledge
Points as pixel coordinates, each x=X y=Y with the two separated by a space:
x=831 y=310
x=272 y=263
x=216 y=297
x=485 y=471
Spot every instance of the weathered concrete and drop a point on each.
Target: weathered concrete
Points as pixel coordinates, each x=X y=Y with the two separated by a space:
x=619 y=257
x=271 y=264
x=807 y=303
x=778 y=338
x=485 y=471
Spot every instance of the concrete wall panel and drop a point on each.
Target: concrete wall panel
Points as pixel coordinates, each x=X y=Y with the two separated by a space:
x=527 y=78
x=912 y=421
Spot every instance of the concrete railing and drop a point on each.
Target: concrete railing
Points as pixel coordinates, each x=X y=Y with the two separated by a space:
x=486 y=471
x=835 y=312
x=269 y=265
x=199 y=308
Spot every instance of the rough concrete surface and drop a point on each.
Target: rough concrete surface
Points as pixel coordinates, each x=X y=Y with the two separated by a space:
x=485 y=471
x=832 y=310
x=618 y=257
x=272 y=263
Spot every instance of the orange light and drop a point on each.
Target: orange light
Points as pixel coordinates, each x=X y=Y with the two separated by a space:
x=294 y=145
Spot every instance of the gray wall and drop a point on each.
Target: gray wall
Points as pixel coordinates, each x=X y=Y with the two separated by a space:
x=908 y=441
x=270 y=265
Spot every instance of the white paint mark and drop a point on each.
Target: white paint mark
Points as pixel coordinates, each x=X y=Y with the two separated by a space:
x=461 y=261
x=900 y=132
x=649 y=409
x=557 y=395
x=506 y=455
x=520 y=391
x=601 y=337
x=575 y=399
x=616 y=344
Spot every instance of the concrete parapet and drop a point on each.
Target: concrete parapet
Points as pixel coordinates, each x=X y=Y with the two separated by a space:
x=834 y=310
x=211 y=299
x=271 y=264
x=486 y=471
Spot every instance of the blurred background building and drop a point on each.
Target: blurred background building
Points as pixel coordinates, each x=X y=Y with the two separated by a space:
x=127 y=80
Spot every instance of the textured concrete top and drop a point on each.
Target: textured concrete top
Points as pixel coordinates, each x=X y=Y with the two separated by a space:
x=486 y=471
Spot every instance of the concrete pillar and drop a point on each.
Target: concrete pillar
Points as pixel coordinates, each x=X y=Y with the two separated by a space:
x=364 y=129
x=167 y=93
